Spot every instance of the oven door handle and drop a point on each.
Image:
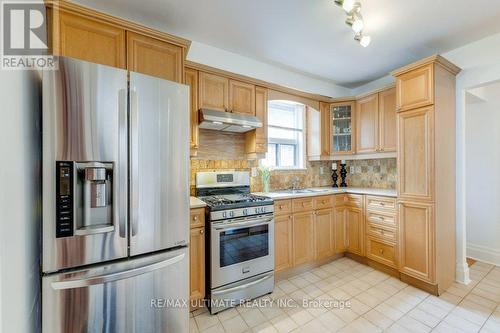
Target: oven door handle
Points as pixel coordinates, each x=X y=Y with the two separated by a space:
x=226 y=226
x=243 y=286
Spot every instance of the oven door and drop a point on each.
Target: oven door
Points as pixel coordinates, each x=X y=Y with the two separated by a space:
x=241 y=248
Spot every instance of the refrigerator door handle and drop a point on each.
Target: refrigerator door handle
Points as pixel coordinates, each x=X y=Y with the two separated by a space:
x=122 y=110
x=134 y=161
x=101 y=279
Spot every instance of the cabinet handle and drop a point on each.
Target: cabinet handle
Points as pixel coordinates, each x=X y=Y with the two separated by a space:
x=381 y=251
x=381 y=204
x=303 y=204
x=202 y=231
x=382 y=231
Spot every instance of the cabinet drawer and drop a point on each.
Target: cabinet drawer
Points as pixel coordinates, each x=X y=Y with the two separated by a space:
x=385 y=219
x=197 y=218
x=354 y=200
x=379 y=232
x=325 y=201
x=282 y=207
x=382 y=252
x=302 y=204
x=380 y=203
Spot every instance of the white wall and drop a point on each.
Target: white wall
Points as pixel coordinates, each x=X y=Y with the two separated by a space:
x=232 y=62
x=20 y=205
x=482 y=119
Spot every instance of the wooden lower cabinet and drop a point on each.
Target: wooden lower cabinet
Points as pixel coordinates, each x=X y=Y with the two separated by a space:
x=381 y=251
x=416 y=230
x=303 y=238
x=197 y=263
x=324 y=224
x=355 y=230
x=340 y=230
x=283 y=242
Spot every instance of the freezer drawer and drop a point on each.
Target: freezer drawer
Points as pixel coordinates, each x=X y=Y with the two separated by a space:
x=159 y=164
x=141 y=295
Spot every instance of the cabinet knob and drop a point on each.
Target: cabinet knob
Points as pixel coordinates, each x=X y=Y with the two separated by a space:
x=323 y=201
x=281 y=206
x=303 y=204
x=202 y=231
x=195 y=218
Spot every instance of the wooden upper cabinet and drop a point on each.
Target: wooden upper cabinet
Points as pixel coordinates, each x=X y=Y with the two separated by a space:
x=355 y=230
x=241 y=97
x=283 y=242
x=367 y=131
x=303 y=238
x=191 y=79
x=90 y=40
x=416 y=154
x=256 y=140
x=387 y=120
x=415 y=88
x=213 y=92
x=154 y=57
x=326 y=138
x=417 y=237
x=324 y=224
x=343 y=128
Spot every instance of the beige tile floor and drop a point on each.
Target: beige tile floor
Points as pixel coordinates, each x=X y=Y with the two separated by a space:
x=378 y=303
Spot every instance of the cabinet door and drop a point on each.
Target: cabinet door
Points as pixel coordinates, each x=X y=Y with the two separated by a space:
x=283 y=242
x=340 y=230
x=197 y=263
x=154 y=57
x=415 y=89
x=416 y=230
x=416 y=154
x=191 y=79
x=326 y=138
x=343 y=132
x=89 y=40
x=387 y=120
x=241 y=97
x=355 y=230
x=256 y=140
x=367 y=124
x=324 y=224
x=303 y=238
x=213 y=92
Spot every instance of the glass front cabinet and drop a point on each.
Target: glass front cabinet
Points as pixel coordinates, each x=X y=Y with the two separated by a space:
x=342 y=128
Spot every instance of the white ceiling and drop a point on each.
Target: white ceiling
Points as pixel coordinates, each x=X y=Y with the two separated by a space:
x=310 y=36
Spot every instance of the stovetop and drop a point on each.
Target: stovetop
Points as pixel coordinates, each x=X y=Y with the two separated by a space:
x=238 y=200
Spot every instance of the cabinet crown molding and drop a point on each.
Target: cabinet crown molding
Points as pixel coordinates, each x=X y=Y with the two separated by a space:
x=437 y=59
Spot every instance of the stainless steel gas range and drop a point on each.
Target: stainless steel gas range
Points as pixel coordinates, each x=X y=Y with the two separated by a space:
x=241 y=233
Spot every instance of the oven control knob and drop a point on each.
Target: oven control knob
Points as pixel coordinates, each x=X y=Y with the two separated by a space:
x=231 y=214
x=245 y=211
x=257 y=210
x=263 y=209
x=224 y=214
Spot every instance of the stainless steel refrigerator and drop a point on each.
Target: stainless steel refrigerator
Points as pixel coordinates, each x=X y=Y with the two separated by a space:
x=115 y=201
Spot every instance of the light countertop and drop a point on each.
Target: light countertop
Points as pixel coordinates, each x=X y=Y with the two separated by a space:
x=196 y=203
x=330 y=190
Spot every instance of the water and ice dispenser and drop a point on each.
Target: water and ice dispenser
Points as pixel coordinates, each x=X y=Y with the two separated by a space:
x=84 y=203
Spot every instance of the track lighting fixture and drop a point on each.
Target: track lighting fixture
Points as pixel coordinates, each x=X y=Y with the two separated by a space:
x=354 y=20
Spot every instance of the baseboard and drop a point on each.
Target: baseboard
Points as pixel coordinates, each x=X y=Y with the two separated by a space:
x=462 y=273
x=484 y=254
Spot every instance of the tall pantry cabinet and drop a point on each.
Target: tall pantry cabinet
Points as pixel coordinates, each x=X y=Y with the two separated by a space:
x=425 y=103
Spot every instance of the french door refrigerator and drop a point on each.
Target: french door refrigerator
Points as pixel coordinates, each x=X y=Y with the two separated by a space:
x=115 y=201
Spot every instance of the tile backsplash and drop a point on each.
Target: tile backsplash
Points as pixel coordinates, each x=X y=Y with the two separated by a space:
x=381 y=173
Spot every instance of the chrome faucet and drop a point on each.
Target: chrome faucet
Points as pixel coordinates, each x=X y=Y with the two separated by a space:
x=295 y=183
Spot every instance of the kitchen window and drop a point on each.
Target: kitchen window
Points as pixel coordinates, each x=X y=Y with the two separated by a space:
x=285 y=135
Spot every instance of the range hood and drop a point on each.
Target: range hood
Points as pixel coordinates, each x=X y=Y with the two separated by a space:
x=227 y=121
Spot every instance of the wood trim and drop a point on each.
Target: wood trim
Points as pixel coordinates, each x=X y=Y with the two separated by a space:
x=76 y=9
x=285 y=274
x=437 y=59
x=257 y=82
x=376 y=91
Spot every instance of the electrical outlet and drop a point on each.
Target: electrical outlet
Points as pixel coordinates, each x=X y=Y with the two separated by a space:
x=321 y=170
x=351 y=169
x=254 y=172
